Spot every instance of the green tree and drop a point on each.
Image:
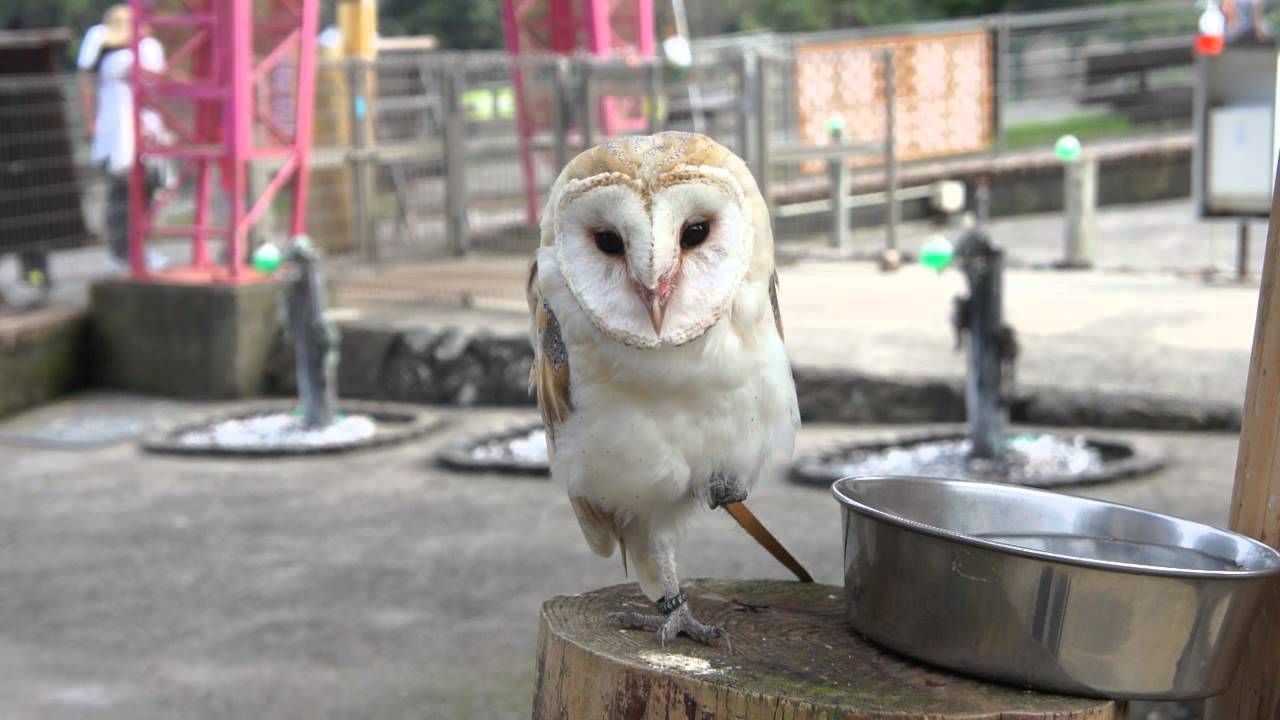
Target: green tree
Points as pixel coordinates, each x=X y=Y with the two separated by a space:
x=75 y=15
x=477 y=24
x=459 y=25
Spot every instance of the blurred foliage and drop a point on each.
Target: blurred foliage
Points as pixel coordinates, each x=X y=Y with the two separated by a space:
x=473 y=24
x=77 y=15
x=74 y=14
x=461 y=25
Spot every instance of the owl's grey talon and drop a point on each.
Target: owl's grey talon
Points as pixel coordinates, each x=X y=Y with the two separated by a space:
x=637 y=621
x=669 y=626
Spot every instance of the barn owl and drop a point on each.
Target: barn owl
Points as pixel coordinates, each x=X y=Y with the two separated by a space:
x=659 y=365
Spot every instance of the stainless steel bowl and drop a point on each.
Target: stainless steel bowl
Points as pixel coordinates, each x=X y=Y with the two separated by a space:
x=1048 y=591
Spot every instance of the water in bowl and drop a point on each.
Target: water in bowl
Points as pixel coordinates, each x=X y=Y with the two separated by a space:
x=1153 y=555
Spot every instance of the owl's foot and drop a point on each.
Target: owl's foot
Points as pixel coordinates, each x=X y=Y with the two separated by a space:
x=725 y=489
x=672 y=622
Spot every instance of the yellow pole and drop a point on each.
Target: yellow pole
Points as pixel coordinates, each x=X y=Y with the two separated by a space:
x=331 y=216
x=358 y=21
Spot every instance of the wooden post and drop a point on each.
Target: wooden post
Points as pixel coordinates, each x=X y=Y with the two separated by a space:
x=794 y=656
x=748 y=66
x=457 y=228
x=653 y=96
x=1256 y=498
x=358 y=21
x=361 y=172
x=760 y=162
x=586 y=108
x=1004 y=80
x=891 y=157
x=329 y=215
x=563 y=79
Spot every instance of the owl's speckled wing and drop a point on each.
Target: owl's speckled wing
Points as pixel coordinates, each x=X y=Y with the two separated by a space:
x=773 y=300
x=549 y=378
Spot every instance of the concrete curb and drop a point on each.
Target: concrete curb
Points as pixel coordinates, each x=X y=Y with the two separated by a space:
x=1123 y=460
x=458 y=456
x=453 y=368
x=410 y=422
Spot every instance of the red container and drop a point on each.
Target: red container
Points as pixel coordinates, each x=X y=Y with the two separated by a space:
x=1208 y=44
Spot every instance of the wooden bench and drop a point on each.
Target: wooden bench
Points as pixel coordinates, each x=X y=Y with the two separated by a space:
x=793 y=656
x=1104 y=64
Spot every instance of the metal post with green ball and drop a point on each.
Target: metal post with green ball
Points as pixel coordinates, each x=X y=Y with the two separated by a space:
x=838 y=167
x=1079 y=185
x=302 y=310
x=1067 y=148
x=266 y=259
x=979 y=318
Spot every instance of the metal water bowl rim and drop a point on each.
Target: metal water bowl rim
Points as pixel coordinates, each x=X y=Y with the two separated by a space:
x=1270 y=566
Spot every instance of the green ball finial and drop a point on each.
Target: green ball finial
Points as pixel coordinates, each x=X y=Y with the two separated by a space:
x=266 y=259
x=1067 y=148
x=835 y=125
x=936 y=253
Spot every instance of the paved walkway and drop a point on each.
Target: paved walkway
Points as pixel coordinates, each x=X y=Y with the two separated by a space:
x=370 y=585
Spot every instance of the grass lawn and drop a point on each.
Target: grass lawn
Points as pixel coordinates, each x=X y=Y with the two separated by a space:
x=1084 y=127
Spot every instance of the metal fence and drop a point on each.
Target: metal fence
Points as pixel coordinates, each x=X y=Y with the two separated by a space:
x=434 y=167
x=1114 y=74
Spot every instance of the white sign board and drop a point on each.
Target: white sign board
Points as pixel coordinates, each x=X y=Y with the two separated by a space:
x=1241 y=159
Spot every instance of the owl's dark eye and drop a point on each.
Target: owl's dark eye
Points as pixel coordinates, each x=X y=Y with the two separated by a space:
x=694 y=234
x=609 y=242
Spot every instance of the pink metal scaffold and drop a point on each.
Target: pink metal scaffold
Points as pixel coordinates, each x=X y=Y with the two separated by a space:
x=238 y=86
x=599 y=28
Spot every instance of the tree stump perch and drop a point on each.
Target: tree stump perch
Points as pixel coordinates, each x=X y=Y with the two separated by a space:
x=793 y=656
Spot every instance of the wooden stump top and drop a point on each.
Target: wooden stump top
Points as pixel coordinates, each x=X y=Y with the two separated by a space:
x=793 y=656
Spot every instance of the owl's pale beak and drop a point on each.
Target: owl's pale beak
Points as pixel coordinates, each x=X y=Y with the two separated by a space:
x=655 y=314
x=655 y=300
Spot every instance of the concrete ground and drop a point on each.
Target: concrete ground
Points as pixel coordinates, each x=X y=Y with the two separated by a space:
x=376 y=585
x=368 y=585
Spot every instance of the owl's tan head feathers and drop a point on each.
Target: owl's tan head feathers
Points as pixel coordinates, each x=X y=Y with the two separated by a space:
x=655 y=234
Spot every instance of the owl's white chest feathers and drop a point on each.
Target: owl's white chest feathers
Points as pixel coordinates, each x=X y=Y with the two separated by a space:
x=649 y=426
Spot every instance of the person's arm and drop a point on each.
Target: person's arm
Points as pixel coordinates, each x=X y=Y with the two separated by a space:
x=1230 y=12
x=90 y=47
x=152 y=53
x=88 y=100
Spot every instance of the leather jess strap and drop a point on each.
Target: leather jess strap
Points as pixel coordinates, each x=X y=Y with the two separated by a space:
x=757 y=530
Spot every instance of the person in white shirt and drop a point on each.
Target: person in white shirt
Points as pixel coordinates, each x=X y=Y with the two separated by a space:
x=106 y=66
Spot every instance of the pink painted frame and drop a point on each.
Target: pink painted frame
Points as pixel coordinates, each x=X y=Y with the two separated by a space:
x=226 y=72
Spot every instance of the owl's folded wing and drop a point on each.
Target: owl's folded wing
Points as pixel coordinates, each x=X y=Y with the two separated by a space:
x=549 y=377
x=773 y=299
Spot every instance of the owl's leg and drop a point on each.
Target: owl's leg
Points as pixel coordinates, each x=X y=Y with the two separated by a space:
x=725 y=489
x=675 y=617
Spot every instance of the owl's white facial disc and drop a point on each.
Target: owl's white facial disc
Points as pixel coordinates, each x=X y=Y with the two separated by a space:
x=654 y=263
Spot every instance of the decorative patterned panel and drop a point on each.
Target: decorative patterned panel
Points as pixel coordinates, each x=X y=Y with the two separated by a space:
x=944 y=99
